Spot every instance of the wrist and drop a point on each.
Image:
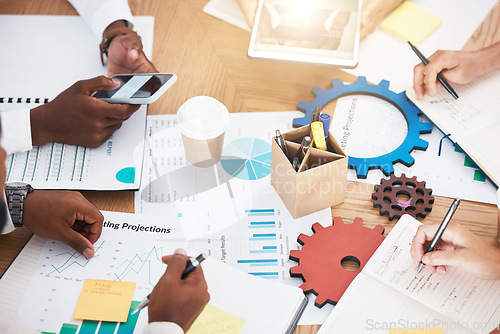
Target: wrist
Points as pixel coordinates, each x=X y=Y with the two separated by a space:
x=120 y=27
x=118 y=24
x=40 y=133
x=491 y=56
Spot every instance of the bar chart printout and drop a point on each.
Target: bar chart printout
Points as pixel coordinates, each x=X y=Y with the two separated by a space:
x=101 y=327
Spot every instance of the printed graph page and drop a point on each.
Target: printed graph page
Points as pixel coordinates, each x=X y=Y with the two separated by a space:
x=115 y=165
x=456 y=295
x=130 y=249
x=230 y=211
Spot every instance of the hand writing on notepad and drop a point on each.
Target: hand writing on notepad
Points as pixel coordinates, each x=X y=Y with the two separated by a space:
x=456 y=66
x=458 y=248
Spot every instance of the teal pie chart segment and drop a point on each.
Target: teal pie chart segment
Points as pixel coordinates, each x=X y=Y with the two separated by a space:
x=247 y=158
x=126 y=175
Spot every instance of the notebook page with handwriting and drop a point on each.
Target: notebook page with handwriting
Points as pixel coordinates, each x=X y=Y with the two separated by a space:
x=454 y=299
x=472 y=121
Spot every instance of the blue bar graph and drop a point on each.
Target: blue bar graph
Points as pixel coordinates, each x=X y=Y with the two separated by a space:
x=263 y=264
x=259 y=261
x=265 y=249
x=268 y=275
x=262 y=224
x=263 y=236
x=260 y=212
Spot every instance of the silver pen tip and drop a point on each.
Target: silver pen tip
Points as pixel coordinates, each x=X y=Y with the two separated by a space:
x=420 y=267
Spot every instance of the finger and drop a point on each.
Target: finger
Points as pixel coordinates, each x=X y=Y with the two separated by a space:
x=98 y=83
x=441 y=269
x=445 y=258
x=176 y=265
x=93 y=219
x=77 y=241
x=180 y=251
x=418 y=81
x=120 y=112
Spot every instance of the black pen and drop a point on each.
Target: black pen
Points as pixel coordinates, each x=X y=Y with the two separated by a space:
x=440 y=230
x=440 y=78
x=190 y=266
x=301 y=153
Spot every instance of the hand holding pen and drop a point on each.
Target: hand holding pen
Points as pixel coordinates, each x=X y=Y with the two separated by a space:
x=426 y=74
x=175 y=299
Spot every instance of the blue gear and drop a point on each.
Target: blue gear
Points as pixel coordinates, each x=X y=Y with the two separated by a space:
x=410 y=112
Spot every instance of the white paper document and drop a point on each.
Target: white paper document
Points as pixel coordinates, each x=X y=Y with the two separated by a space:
x=472 y=121
x=367 y=126
x=43 y=286
x=230 y=211
x=388 y=293
x=35 y=70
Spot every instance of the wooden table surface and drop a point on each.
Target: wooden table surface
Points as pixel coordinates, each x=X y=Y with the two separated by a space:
x=209 y=57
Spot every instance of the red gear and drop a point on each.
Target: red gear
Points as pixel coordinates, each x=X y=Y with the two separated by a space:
x=322 y=253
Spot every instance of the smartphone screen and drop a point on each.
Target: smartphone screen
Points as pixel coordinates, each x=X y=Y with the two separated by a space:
x=135 y=86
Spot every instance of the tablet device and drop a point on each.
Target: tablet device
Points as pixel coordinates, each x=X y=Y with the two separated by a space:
x=311 y=31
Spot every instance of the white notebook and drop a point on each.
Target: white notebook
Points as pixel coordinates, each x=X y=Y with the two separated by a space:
x=389 y=294
x=43 y=284
x=472 y=121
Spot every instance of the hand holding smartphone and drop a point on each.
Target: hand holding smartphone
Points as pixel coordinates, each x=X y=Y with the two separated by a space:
x=144 y=88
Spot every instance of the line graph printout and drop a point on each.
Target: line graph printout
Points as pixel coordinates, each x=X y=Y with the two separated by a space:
x=229 y=211
x=130 y=249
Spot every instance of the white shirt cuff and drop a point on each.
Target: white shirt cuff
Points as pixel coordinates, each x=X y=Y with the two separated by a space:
x=16 y=131
x=99 y=14
x=163 y=328
x=8 y=226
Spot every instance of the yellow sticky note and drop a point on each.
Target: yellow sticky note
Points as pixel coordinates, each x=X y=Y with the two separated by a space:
x=416 y=331
x=214 y=320
x=411 y=23
x=103 y=300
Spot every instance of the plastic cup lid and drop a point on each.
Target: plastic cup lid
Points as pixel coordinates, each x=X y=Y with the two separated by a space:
x=202 y=117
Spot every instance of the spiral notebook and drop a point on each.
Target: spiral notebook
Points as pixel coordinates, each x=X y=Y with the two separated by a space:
x=39 y=67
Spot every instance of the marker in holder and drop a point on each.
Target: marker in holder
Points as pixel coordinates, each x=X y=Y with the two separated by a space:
x=318 y=135
x=325 y=119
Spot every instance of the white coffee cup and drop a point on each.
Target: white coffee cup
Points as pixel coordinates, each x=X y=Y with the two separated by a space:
x=203 y=121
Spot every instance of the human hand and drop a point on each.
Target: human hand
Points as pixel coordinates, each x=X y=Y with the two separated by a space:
x=458 y=248
x=373 y=12
x=455 y=66
x=125 y=56
x=65 y=216
x=178 y=300
x=75 y=117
